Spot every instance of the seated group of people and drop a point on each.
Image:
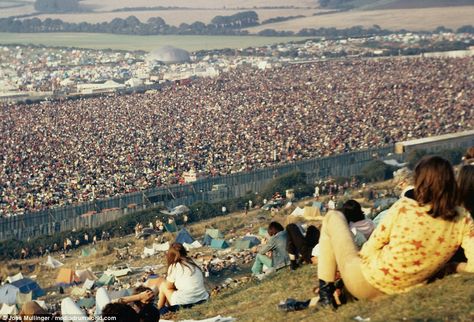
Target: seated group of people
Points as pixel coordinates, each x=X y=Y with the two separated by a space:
x=429 y=226
x=295 y=245
x=428 y=230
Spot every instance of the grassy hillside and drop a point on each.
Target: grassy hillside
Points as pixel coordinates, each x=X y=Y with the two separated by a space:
x=450 y=299
x=391 y=4
x=411 y=19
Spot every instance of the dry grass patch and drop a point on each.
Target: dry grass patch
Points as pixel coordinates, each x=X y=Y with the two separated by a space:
x=411 y=19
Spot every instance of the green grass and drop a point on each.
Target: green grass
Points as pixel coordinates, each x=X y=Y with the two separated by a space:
x=146 y=43
x=450 y=299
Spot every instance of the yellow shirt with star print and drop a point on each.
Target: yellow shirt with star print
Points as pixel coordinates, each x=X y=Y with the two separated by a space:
x=409 y=246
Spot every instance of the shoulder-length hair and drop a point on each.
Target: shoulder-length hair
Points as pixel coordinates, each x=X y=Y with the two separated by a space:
x=352 y=210
x=435 y=185
x=178 y=254
x=466 y=188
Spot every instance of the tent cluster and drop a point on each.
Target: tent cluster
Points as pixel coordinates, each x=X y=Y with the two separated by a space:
x=213 y=238
x=19 y=292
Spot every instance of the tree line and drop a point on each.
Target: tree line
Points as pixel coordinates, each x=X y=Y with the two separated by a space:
x=219 y=25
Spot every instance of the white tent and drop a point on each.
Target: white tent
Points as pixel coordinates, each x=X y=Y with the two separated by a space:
x=88 y=284
x=161 y=247
x=155 y=249
x=148 y=251
x=8 y=310
x=53 y=263
x=193 y=245
x=297 y=212
x=85 y=274
x=14 y=278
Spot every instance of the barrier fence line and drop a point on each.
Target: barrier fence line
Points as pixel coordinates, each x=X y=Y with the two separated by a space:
x=95 y=213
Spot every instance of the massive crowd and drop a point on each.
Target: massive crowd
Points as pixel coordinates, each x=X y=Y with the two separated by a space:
x=58 y=153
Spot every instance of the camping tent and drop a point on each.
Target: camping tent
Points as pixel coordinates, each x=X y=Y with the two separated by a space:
x=263 y=232
x=246 y=242
x=88 y=284
x=207 y=240
x=7 y=310
x=105 y=280
x=176 y=211
x=184 y=237
x=28 y=285
x=148 y=251
x=78 y=292
x=14 y=278
x=86 y=302
x=172 y=228
x=214 y=233
x=318 y=205
x=219 y=244
x=8 y=294
x=297 y=212
x=86 y=252
x=53 y=263
x=193 y=245
x=66 y=277
x=84 y=274
x=22 y=298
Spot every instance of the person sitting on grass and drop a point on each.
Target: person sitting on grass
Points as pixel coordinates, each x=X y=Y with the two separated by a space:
x=414 y=240
x=300 y=246
x=360 y=226
x=276 y=245
x=184 y=284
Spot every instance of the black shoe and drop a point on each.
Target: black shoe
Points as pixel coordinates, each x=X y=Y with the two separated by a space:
x=293 y=265
x=293 y=305
x=326 y=295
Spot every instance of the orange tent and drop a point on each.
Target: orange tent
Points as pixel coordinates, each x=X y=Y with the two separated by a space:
x=66 y=277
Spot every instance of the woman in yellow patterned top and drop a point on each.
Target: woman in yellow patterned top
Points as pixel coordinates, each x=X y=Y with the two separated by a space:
x=414 y=240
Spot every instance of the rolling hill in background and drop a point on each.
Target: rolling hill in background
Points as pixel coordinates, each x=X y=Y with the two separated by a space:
x=391 y=4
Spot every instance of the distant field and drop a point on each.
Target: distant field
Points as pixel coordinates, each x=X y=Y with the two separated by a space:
x=411 y=19
x=107 y=5
x=16 y=7
x=175 y=17
x=147 y=43
x=404 y=4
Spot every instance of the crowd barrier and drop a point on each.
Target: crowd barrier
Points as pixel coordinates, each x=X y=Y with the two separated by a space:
x=98 y=212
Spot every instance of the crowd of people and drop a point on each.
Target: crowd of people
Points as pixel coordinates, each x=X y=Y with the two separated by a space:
x=428 y=230
x=58 y=153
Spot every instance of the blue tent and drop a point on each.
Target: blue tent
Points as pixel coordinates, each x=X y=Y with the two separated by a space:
x=219 y=244
x=184 y=237
x=318 y=205
x=254 y=241
x=207 y=240
x=8 y=294
x=27 y=285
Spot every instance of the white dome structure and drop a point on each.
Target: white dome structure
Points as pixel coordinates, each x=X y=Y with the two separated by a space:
x=169 y=55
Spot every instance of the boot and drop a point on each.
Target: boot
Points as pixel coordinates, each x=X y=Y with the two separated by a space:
x=326 y=295
x=293 y=265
